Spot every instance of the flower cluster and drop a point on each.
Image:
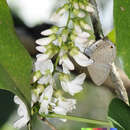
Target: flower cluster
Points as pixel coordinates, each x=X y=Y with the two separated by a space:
x=59 y=44
x=57 y=47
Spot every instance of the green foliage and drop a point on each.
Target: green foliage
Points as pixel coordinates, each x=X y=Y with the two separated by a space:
x=122 y=28
x=119 y=114
x=112 y=36
x=15 y=62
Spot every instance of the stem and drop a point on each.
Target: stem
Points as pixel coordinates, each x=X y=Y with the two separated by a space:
x=48 y=123
x=56 y=63
x=68 y=18
x=77 y=119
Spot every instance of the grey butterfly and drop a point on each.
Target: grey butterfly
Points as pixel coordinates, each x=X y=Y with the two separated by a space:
x=103 y=52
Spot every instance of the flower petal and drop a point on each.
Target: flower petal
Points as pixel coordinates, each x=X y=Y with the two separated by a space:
x=47 y=32
x=43 y=41
x=42 y=57
x=82 y=60
x=79 y=79
x=41 y=48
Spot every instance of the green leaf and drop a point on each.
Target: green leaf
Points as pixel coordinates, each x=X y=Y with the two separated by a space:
x=112 y=36
x=122 y=28
x=15 y=62
x=119 y=114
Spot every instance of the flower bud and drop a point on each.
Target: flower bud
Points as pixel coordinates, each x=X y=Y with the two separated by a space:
x=36 y=76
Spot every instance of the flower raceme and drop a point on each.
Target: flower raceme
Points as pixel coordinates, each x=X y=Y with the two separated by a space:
x=55 y=50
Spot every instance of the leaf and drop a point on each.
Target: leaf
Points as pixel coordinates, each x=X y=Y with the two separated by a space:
x=112 y=36
x=122 y=28
x=15 y=62
x=119 y=114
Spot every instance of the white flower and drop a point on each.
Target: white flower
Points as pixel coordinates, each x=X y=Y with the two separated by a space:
x=35 y=93
x=81 y=14
x=46 y=79
x=66 y=64
x=46 y=40
x=82 y=6
x=77 y=28
x=47 y=32
x=84 y=35
x=74 y=86
x=34 y=97
x=43 y=57
x=89 y=8
x=56 y=16
x=22 y=112
x=85 y=25
x=41 y=49
x=44 y=66
x=76 y=6
x=80 y=58
x=45 y=99
x=64 y=106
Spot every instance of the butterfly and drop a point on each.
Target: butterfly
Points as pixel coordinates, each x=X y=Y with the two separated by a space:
x=103 y=52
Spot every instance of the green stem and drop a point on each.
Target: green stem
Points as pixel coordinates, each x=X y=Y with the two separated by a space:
x=68 y=17
x=79 y=119
x=56 y=62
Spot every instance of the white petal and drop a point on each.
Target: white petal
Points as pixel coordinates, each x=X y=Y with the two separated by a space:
x=90 y=9
x=82 y=60
x=42 y=57
x=64 y=37
x=84 y=35
x=56 y=16
x=45 y=99
x=45 y=66
x=81 y=14
x=47 y=32
x=80 y=40
x=65 y=69
x=61 y=12
x=20 y=123
x=59 y=110
x=22 y=112
x=76 y=6
x=71 y=88
x=44 y=107
x=79 y=79
x=87 y=27
x=41 y=48
x=43 y=41
x=17 y=100
x=47 y=93
x=81 y=46
x=45 y=80
x=77 y=29
x=74 y=86
x=64 y=85
x=67 y=62
x=67 y=104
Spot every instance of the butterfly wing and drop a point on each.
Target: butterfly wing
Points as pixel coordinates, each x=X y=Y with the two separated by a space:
x=103 y=55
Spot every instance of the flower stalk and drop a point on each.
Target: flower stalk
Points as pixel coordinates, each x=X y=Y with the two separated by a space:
x=79 y=119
